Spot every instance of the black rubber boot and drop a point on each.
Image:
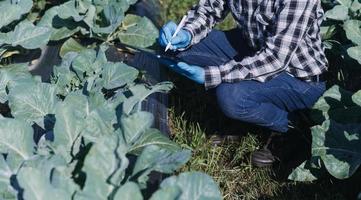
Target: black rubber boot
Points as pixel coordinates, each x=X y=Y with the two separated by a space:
x=264 y=157
x=284 y=146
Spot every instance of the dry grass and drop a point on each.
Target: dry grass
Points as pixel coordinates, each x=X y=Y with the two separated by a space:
x=228 y=164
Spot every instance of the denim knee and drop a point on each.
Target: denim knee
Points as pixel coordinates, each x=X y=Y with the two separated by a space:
x=240 y=103
x=233 y=102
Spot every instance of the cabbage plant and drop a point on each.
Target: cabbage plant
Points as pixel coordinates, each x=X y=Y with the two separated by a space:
x=105 y=21
x=83 y=136
x=341 y=32
x=336 y=142
x=344 y=16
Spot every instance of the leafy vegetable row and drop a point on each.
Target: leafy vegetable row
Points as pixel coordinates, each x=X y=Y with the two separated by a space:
x=103 y=20
x=336 y=138
x=88 y=145
x=83 y=135
x=336 y=143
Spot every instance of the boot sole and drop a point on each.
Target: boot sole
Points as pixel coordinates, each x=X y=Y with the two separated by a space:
x=229 y=139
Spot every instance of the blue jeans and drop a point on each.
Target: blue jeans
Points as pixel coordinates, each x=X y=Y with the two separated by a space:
x=265 y=104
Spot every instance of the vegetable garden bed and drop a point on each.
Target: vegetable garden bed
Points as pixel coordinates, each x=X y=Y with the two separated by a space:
x=82 y=118
x=81 y=132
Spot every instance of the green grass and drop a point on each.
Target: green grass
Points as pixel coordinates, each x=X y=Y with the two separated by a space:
x=228 y=164
x=175 y=9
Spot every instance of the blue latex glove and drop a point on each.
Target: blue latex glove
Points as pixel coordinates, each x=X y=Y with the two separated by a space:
x=181 y=40
x=192 y=72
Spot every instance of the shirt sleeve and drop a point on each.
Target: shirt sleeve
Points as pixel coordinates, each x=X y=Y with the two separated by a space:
x=203 y=16
x=291 y=23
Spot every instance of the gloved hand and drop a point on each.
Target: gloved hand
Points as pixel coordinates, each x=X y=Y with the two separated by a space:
x=181 y=40
x=192 y=72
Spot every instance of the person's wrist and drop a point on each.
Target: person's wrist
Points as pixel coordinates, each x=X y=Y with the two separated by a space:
x=188 y=35
x=200 y=75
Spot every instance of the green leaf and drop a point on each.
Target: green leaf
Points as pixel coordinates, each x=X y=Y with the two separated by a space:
x=116 y=100
x=339 y=12
x=60 y=28
x=355 y=53
x=356 y=98
x=192 y=185
x=70 y=9
x=81 y=12
x=135 y=125
x=65 y=81
x=17 y=137
x=97 y=100
x=61 y=172
x=154 y=158
x=112 y=15
x=335 y=96
x=89 y=18
x=33 y=102
x=124 y=4
x=27 y=35
x=167 y=193
x=327 y=32
x=10 y=74
x=15 y=161
x=10 y=11
x=138 y=31
x=303 y=173
x=141 y=92
x=5 y=172
x=99 y=122
x=70 y=121
x=37 y=185
x=46 y=165
x=117 y=178
x=356 y=6
x=100 y=163
x=84 y=63
x=118 y=74
x=346 y=3
x=336 y=104
x=339 y=147
x=70 y=45
x=129 y=191
x=62 y=179
x=6 y=191
x=353 y=30
x=153 y=137
x=63 y=78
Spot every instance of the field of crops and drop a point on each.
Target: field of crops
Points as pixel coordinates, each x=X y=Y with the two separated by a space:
x=76 y=128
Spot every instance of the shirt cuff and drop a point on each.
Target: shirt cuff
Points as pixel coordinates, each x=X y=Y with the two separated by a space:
x=212 y=77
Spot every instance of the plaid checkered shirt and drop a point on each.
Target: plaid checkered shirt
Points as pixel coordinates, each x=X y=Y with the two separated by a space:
x=284 y=33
